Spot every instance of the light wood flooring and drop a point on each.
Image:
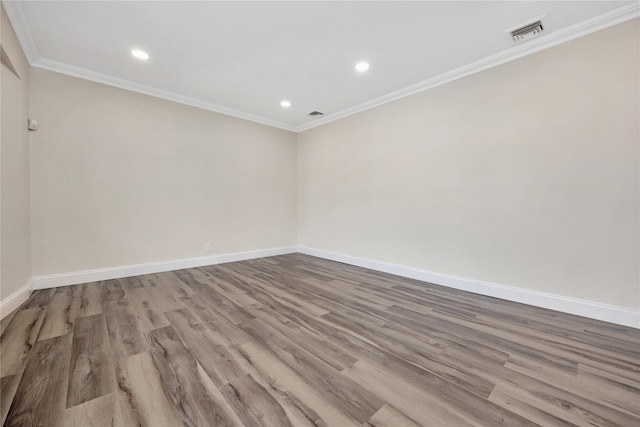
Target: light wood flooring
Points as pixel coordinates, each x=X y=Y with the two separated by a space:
x=295 y=340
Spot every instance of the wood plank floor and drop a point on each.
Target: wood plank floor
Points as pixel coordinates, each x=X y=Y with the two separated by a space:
x=295 y=340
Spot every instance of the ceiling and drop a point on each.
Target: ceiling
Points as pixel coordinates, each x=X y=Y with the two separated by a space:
x=243 y=58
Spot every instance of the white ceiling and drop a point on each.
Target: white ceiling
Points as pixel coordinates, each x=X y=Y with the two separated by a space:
x=243 y=58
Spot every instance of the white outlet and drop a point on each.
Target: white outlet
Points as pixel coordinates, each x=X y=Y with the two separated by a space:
x=207 y=247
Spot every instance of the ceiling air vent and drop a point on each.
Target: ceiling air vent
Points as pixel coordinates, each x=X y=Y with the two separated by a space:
x=315 y=113
x=527 y=31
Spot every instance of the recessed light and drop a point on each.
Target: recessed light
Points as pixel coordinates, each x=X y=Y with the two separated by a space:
x=362 y=66
x=285 y=104
x=140 y=54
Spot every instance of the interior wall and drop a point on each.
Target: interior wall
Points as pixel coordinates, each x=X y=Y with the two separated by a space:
x=15 y=234
x=524 y=175
x=120 y=178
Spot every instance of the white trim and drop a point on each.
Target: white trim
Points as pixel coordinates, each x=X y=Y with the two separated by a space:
x=606 y=20
x=82 y=73
x=86 y=276
x=585 y=308
x=22 y=29
x=23 y=32
x=13 y=301
x=590 y=309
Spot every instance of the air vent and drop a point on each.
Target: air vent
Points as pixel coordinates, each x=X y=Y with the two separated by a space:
x=527 y=31
x=316 y=113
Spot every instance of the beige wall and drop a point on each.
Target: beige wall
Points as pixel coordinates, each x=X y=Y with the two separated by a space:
x=524 y=175
x=15 y=246
x=120 y=178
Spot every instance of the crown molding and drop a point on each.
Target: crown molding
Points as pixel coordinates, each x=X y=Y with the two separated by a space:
x=23 y=32
x=22 y=29
x=83 y=73
x=606 y=20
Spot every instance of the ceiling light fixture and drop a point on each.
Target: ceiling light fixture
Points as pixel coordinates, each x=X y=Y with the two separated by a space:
x=362 y=66
x=285 y=104
x=140 y=54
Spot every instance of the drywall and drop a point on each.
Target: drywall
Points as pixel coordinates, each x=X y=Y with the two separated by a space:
x=525 y=175
x=15 y=246
x=119 y=179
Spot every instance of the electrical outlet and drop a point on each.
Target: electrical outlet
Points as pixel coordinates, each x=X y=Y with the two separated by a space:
x=207 y=247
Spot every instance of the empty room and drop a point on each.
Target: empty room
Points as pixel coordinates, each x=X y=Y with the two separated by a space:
x=329 y=214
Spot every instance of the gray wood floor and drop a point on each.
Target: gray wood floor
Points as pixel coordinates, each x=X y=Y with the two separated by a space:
x=300 y=341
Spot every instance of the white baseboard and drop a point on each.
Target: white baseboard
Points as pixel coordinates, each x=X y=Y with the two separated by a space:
x=13 y=301
x=590 y=309
x=78 y=277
